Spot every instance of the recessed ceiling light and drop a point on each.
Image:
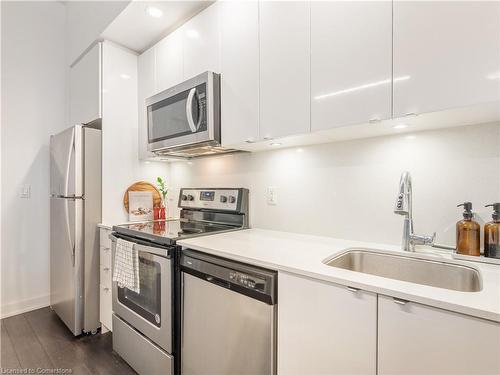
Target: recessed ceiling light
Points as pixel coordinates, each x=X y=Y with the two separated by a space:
x=154 y=12
x=400 y=126
x=494 y=76
x=300 y=150
x=192 y=33
x=411 y=137
x=276 y=144
x=124 y=76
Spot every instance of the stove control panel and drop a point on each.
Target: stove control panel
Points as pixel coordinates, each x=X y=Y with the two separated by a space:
x=212 y=199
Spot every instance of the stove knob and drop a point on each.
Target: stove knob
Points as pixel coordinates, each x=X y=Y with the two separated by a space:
x=223 y=198
x=184 y=197
x=190 y=197
x=232 y=199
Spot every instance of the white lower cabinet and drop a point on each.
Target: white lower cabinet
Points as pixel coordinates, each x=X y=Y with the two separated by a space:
x=105 y=301
x=418 y=339
x=325 y=328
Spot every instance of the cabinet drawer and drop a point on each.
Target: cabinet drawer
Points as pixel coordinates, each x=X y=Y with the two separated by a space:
x=104 y=240
x=105 y=307
x=106 y=276
x=105 y=256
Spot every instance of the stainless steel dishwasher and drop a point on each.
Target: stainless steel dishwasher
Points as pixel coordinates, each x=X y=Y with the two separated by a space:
x=228 y=317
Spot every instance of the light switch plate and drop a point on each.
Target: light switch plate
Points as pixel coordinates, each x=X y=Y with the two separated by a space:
x=272 y=195
x=25 y=191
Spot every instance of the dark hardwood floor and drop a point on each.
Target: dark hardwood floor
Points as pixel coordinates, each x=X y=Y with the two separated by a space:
x=38 y=339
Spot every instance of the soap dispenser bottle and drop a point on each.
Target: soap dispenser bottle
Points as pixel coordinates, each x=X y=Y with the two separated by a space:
x=468 y=233
x=492 y=233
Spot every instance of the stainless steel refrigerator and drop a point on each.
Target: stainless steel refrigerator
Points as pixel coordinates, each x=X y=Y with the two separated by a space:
x=75 y=211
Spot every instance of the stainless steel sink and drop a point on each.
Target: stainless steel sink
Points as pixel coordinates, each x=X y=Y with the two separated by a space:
x=436 y=273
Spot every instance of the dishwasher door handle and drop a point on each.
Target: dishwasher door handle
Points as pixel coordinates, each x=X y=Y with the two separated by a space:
x=218 y=282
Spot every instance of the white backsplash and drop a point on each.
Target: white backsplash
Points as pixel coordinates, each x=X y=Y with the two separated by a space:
x=348 y=189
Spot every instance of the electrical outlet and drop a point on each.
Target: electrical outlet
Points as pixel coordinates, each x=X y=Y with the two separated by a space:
x=25 y=192
x=272 y=195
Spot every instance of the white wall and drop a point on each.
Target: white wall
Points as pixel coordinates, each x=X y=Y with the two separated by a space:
x=348 y=189
x=86 y=21
x=120 y=164
x=33 y=107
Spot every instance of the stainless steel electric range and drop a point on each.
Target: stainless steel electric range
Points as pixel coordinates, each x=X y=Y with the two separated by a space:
x=146 y=325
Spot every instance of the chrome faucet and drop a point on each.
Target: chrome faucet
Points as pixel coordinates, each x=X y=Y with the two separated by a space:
x=404 y=207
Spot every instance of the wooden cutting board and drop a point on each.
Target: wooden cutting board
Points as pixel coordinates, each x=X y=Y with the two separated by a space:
x=143 y=186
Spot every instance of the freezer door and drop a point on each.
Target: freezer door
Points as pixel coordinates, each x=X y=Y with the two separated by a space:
x=66 y=165
x=66 y=261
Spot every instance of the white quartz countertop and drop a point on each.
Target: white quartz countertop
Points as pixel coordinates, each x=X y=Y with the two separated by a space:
x=304 y=254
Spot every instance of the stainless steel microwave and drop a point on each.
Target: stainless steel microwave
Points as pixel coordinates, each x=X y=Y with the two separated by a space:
x=185 y=120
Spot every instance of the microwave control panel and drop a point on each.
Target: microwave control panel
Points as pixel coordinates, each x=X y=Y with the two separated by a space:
x=211 y=199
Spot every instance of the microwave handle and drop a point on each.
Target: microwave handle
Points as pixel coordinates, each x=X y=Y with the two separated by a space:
x=189 y=105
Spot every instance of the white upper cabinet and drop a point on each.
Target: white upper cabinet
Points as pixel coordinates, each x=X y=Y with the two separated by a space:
x=351 y=62
x=239 y=72
x=324 y=328
x=201 y=42
x=284 y=33
x=414 y=339
x=169 y=61
x=446 y=55
x=85 y=97
x=145 y=89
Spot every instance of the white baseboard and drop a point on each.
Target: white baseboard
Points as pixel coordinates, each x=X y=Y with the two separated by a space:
x=19 y=307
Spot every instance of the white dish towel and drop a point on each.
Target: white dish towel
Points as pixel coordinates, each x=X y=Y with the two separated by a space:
x=126 y=266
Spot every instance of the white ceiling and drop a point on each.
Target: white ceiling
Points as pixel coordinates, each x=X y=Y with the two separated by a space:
x=135 y=29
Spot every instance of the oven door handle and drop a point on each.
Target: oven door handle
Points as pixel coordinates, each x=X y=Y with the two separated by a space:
x=160 y=251
x=189 y=112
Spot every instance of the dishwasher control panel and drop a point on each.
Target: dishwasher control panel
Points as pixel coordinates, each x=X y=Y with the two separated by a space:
x=250 y=280
x=246 y=280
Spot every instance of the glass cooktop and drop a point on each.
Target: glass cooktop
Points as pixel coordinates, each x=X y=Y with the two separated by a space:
x=168 y=231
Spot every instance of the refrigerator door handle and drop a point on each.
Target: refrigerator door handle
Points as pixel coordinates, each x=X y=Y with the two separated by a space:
x=68 y=163
x=68 y=229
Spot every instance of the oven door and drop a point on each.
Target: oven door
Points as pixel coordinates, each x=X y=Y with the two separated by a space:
x=150 y=310
x=185 y=114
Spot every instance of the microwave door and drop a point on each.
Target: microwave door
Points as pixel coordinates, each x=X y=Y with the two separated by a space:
x=178 y=120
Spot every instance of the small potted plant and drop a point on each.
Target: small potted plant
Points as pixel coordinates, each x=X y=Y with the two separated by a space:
x=163 y=191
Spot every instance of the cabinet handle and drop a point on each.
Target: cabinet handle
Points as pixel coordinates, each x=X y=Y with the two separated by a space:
x=353 y=289
x=106 y=249
x=249 y=140
x=400 y=301
x=374 y=120
x=106 y=269
x=106 y=289
x=410 y=114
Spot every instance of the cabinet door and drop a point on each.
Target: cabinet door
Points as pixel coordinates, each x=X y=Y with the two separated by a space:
x=284 y=68
x=351 y=62
x=417 y=339
x=239 y=71
x=145 y=89
x=325 y=328
x=201 y=42
x=168 y=66
x=85 y=88
x=446 y=55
